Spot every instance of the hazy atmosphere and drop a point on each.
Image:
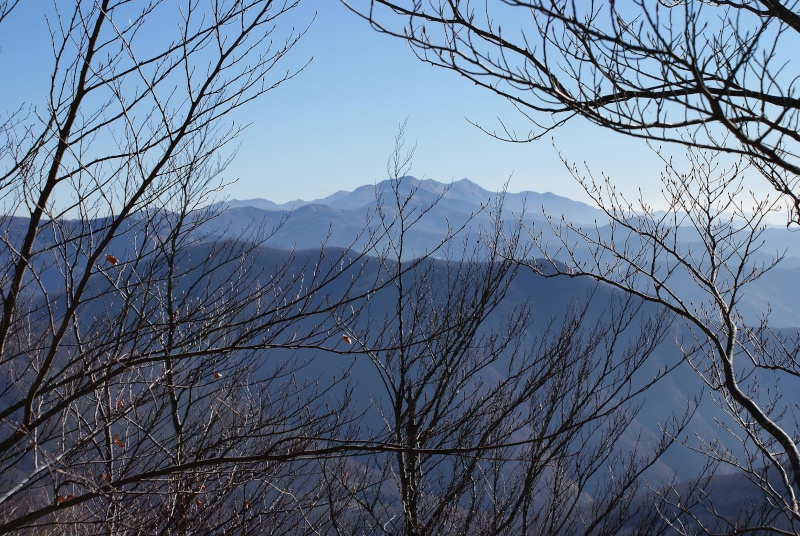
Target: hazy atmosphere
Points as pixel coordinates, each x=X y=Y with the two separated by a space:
x=399 y=267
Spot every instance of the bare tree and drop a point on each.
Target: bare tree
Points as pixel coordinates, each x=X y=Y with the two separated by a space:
x=720 y=70
x=697 y=260
x=135 y=396
x=148 y=380
x=486 y=421
x=709 y=75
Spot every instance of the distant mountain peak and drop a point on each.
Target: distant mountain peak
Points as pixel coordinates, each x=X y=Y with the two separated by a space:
x=461 y=196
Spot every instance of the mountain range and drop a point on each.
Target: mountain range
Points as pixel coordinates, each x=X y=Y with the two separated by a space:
x=352 y=220
x=459 y=197
x=340 y=219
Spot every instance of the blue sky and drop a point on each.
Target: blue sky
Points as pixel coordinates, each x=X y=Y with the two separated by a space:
x=333 y=126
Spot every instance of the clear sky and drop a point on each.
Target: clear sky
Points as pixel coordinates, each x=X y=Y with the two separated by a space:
x=333 y=126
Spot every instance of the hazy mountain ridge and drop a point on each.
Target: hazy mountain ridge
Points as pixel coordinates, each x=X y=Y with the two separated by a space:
x=347 y=219
x=464 y=195
x=311 y=223
x=547 y=298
